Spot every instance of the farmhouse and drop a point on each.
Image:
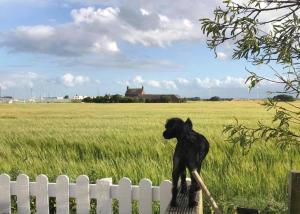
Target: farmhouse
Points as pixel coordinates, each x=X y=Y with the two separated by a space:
x=134 y=92
x=139 y=92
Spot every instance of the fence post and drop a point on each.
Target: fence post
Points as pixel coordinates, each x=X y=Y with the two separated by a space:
x=23 y=199
x=145 y=196
x=104 y=201
x=165 y=195
x=82 y=195
x=42 y=197
x=124 y=196
x=5 y=194
x=294 y=192
x=62 y=194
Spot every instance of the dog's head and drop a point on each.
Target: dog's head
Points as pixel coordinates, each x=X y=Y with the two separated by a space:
x=176 y=127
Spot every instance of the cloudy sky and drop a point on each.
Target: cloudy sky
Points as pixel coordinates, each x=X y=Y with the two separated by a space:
x=94 y=47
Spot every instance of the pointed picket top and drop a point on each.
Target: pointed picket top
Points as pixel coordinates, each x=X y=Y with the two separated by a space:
x=165 y=195
x=62 y=194
x=82 y=194
x=23 y=199
x=5 y=206
x=145 y=196
x=124 y=195
x=42 y=197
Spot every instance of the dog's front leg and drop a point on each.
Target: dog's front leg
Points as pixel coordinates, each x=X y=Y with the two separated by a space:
x=175 y=178
x=183 y=181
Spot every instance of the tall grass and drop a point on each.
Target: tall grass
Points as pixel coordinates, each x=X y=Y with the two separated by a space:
x=117 y=140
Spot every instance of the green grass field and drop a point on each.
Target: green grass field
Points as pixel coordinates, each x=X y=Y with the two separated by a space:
x=117 y=140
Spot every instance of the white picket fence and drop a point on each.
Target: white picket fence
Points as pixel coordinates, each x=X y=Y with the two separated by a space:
x=103 y=191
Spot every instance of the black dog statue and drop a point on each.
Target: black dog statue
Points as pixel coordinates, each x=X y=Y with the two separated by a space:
x=190 y=151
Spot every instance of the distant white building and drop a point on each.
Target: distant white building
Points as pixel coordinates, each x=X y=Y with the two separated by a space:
x=6 y=99
x=49 y=98
x=78 y=97
x=31 y=100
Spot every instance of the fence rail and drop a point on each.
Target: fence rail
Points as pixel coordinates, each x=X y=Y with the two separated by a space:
x=103 y=191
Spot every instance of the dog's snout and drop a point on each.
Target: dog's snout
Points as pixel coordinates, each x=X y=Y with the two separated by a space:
x=164 y=134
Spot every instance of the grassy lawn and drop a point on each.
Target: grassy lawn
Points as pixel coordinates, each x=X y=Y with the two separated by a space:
x=118 y=140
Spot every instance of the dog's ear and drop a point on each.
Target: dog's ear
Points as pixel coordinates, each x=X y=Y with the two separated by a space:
x=188 y=122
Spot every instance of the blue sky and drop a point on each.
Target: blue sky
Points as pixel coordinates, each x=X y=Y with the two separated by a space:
x=94 y=47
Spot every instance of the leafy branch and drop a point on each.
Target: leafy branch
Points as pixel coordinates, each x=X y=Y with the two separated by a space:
x=262 y=32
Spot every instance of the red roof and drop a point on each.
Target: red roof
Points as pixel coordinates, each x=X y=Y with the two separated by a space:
x=134 y=91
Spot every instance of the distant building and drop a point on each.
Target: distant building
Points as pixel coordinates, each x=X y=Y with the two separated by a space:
x=49 y=98
x=6 y=99
x=78 y=97
x=31 y=100
x=134 y=92
x=139 y=92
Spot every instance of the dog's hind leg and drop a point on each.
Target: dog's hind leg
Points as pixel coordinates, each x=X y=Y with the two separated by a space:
x=194 y=185
x=193 y=192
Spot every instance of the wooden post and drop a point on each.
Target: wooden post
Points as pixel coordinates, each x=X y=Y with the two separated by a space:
x=206 y=192
x=294 y=192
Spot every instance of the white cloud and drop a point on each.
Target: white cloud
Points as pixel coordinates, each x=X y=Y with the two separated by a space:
x=183 y=81
x=90 y=15
x=36 y=32
x=5 y=84
x=22 y=79
x=144 y=12
x=70 y=80
x=138 y=80
x=222 y=55
x=168 y=84
x=167 y=32
x=123 y=83
x=99 y=30
x=228 y=82
x=104 y=44
x=163 y=18
x=153 y=83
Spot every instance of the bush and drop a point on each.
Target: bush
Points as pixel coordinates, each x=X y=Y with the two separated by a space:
x=284 y=97
x=215 y=98
x=87 y=100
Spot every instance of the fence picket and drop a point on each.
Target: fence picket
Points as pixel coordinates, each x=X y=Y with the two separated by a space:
x=124 y=196
x=82 y=195
x=5 y=194
x=23 y=199
x=104 y=201
x=165 y=195
x=62 y=194
x=145 y=196
x=42 y=198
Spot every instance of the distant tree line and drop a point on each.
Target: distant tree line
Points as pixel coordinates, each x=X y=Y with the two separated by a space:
x=117 y=98
x=214 y=98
